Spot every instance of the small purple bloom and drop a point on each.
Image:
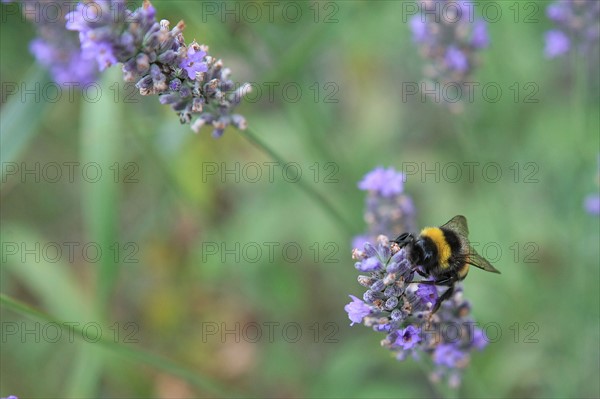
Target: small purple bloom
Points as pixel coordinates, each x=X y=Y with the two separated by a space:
x=480 y=38
x=56 y=48
x=479 y=339
x=408 y=337
x=418 y=28
x=387 y=182
x=100 y=51
x=456 y=59
x=388 y=210
x=592 y=204
x=42 y=51
x=577 y=27
x=357 y=310
x=557 y=43
x=427 y=293
x=194 y=61
x=360 y=241
x=369 y=265
x=448 y=355
x=557 y=12
x=76 y=20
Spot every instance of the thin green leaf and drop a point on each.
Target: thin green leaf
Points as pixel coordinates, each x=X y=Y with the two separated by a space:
x=53 y=283
x=21 y=119
x=101 y=137
x=127 y=352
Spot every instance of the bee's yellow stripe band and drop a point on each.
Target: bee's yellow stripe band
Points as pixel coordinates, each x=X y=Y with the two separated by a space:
x=437 y=236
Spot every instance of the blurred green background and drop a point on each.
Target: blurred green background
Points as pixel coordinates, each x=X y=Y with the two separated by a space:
x=158 y=288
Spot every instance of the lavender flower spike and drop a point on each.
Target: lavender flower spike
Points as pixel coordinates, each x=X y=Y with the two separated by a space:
x=577 y=27
x=156 y=57
x=449 y=40
x=388 y=210
x=55 y=47
x=591 y=203
x=395 y=304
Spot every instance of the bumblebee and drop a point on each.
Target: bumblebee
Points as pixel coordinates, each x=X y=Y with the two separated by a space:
x=444 y=254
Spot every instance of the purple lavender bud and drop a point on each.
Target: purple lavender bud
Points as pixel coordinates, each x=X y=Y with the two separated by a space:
x=145 y=83
x=384 y=252
x=479 y=340
x=382 y=327
x=168 y=57
x=365 y=281
x=449 y=42
x=577 y=26
x=592 y=204
x=396 y=315
x=370 y=296
x=185 y=92
x=378 y=285
x=557 y=43
x=558 y=11
x=418 y=28
x=369 y=265
x=216 y=133
x=449 y=355
x=142 y=63
x=391 y=303
x=480 y=38
x=386 y=182
x=239 y=121
x=370 y=250
x=393 y=267
x=56 y=48
x=399 y=256
x=168 y=98
x=456 y=59
x=393 y=290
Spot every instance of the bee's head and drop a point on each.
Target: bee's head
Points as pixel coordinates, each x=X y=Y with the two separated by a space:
x=414 y=252
x=404 y=239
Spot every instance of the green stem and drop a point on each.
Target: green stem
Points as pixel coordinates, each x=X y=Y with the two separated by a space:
x=321 y=200
x=440 y=388
x=127 y=352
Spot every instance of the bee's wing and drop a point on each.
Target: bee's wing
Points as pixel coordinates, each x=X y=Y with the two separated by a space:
x=459 y=225
x=473 y=258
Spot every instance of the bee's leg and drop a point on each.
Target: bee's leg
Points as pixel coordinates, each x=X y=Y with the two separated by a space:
x=403 y=239
x=421 y=273
x=447 y=294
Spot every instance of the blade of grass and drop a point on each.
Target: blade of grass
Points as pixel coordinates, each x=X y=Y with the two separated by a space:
x=101 y=132
x=45 y=279
x=21 y=119
x=126 y=352
x=344 y=224
x=41 y=277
